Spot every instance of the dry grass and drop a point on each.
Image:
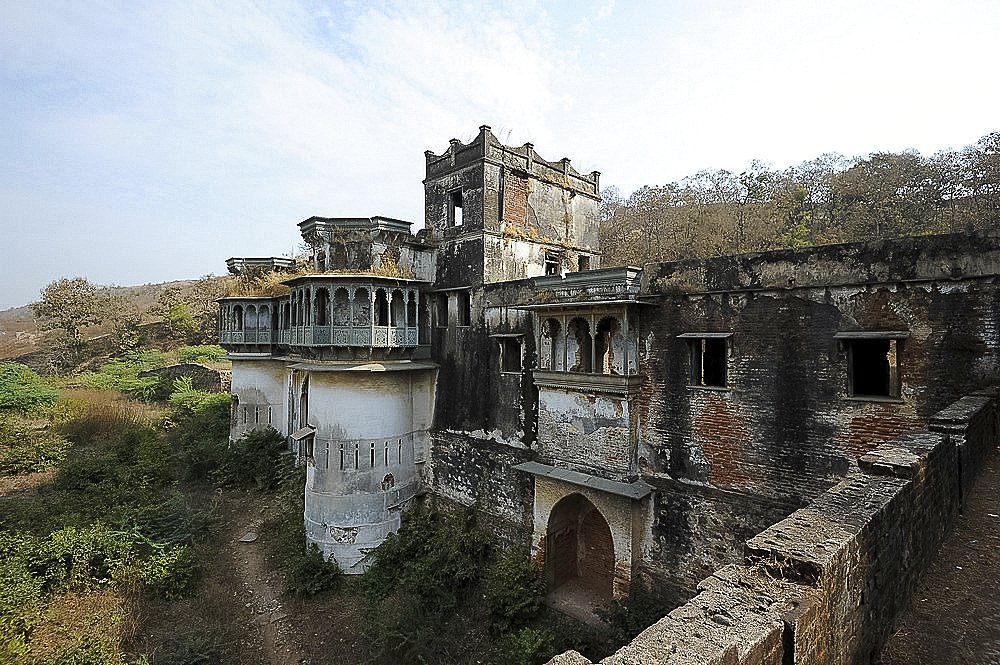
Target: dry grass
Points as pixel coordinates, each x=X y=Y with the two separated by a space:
x=25 y=482
x=97 y=621
x=255 y=284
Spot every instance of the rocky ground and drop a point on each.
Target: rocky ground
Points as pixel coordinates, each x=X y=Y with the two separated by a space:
x=954 y=615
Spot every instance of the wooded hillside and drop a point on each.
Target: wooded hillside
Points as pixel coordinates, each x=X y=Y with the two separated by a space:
x=829 y=199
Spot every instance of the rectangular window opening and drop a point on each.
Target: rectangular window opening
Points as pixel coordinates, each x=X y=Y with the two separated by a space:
x=708 y=361
x=341 y=457
x=455 y=217
x=553 y=261
x=583 y=262
x=399 y=452
x=464 y=308
x=372 y=461
x=441 y=309
x=357 y=459
x=873 y=368
x=510 y=354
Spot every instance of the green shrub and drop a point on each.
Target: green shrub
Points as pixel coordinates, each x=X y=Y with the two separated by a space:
x=20 y=594
x=433 y=556
x=528 y=646
x=23 y=390
x=174 y=574
x=190 y=649
x=123 y=375
x=186 y=402
x=200 y=354
x=253 y=461
x=121 y=470
x=74 y=558
x=27 y=450
x=514 y=592
x=172 y=522
x=311 y=573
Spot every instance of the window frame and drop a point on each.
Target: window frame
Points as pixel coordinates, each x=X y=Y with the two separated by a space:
x=849 y=342
x=456 y=208
x=503 y=342
x=697 y=343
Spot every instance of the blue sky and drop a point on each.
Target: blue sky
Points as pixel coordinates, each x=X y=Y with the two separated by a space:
x=145 y=142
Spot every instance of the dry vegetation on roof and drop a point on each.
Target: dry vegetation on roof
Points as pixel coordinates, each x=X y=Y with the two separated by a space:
x=256 y=284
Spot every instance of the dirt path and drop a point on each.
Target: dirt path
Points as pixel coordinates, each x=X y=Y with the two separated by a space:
x=954 y=615
x=260 y=588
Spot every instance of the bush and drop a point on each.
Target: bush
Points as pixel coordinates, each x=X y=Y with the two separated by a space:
x=23 y=450
x=126 y=469
x=527 y=647
x=253 y=461
x=23 y=390
x=311 y=573
x=434 y=557
x=514 y=592
x=200 y=354
x=174 y=574
x=75 y=558
x=123 y=375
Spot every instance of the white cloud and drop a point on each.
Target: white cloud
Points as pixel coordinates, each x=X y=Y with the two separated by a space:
x=229 y=122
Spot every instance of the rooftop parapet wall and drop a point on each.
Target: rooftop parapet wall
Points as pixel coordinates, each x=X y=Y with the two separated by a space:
x=523 y=159
x=924 y=258
x=825 y=585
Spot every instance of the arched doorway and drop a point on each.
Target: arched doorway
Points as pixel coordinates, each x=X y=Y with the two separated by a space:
x=579 y=550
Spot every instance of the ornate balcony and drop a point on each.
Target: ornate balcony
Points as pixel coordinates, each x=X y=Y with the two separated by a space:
x=327 y=312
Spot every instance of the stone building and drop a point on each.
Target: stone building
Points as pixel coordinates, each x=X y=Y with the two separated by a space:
x=622 y=424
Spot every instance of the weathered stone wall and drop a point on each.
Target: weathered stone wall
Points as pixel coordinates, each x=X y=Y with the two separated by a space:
x=370 y=439
x=476 y=469
x=825 y=585
x=260 y=395
x=784 y=428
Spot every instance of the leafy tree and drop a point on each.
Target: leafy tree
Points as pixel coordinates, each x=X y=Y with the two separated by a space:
x=69 y=305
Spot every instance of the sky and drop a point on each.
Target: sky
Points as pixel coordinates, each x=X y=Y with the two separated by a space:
x=143 y=142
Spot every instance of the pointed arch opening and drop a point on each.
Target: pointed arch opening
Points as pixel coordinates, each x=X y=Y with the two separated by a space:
x=579 y=551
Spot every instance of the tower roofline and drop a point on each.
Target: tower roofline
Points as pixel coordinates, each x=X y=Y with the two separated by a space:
x=487 y=147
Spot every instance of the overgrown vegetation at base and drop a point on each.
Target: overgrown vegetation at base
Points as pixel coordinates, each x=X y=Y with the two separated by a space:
x=441 y=591
x=110 y=525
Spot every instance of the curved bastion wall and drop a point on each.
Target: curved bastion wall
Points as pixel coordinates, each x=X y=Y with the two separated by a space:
x=364 y=439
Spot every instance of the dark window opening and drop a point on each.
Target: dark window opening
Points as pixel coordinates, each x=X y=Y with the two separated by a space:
x=455 y=208
x=322 y=306
x=708 y=362
x=510 y=354
x=381 y=308
x=552 y=262
x=464 y=308
x=873 y=368
x=579 y=332
x=500 y=196
x=583 y=262
x=441 y=310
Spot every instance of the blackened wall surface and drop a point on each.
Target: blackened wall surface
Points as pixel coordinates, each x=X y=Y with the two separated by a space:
x=474 y=470
x=785 y=426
